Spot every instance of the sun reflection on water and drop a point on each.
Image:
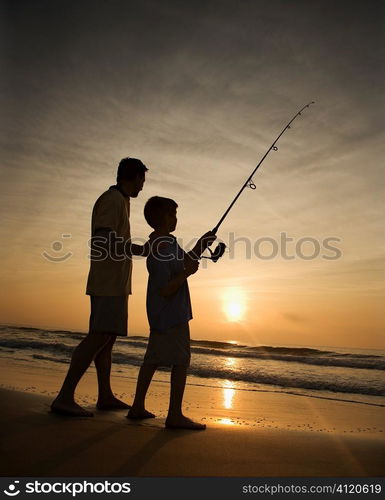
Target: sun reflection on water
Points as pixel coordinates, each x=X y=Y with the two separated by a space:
x=228 y=394
x=230 y=362
x=226 y=421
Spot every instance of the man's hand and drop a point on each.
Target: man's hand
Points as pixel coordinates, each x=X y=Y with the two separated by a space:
x=191 y=266
x=146 y=249
x=140 y=250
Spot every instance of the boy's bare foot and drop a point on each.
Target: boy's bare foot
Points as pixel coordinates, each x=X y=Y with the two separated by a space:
x=134 y=414
x=112 y=404
x=183 y=422
x=69 y=409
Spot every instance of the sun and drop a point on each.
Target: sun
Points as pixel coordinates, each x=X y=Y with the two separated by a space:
x=234 y=311
x=234 y=304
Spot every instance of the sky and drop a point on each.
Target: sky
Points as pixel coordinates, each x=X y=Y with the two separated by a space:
x=199 y=91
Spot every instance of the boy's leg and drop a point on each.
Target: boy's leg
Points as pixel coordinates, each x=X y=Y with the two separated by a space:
x=178 y=383
x=138 y=410
x=175 y=418
x=82 y=357
x=106 y=398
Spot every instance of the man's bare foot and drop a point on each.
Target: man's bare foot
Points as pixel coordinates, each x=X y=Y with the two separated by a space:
x=69 y=409
x=182 y=422
x=141 y=414
x=112 y=404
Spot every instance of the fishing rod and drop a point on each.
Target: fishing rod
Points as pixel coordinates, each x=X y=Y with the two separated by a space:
x=216 y=254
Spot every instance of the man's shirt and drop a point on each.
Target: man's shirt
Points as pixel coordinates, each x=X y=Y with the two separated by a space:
x=109 y=276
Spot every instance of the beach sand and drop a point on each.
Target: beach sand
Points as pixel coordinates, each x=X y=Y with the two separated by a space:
x=254 y=434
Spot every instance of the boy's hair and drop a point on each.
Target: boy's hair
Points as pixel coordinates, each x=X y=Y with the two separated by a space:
x=129 y=169
x=156 y=208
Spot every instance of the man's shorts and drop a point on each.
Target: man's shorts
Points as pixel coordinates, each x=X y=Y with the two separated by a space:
x=169 y=347
x=109 y=315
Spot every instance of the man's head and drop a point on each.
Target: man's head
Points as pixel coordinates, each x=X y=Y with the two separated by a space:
x=160 y=213
x=131 y=176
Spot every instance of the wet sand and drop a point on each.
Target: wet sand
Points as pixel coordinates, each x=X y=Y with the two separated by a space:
x=249 y=433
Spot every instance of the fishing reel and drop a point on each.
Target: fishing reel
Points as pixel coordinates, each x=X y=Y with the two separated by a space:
x=216 y=254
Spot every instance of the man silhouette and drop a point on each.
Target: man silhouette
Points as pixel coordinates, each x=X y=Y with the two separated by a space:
x=109 y=284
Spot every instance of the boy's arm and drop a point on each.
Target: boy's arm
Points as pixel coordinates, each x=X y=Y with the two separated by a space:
x=190 y=267
x=191 y=264
x=202 y=244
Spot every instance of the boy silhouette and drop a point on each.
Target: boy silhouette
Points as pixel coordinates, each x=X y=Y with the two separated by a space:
x=168 y=310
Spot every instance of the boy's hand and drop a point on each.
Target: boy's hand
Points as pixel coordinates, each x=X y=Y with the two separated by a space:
x=202 y=244
x=191 y=266
x=206 y=240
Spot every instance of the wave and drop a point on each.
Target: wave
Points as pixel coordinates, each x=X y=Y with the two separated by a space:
x=68 y=333
x=49 y=358
x=281 y=381
x=36 y=344
x=307 y=356
x=298 y=382
x=348 y=361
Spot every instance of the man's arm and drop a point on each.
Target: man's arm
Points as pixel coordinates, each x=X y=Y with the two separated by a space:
x=140 y=250
x=116 y=248
x=104 y=238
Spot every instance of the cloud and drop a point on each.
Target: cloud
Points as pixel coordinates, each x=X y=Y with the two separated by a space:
x=294 y=318
x=199 y=91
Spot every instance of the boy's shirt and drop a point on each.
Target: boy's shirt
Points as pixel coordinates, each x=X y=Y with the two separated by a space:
x=166 y=312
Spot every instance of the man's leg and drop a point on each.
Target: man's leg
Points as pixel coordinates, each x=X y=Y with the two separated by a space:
x=82 y=357
x=175 y=418
x=138 y=410
x=103 y=361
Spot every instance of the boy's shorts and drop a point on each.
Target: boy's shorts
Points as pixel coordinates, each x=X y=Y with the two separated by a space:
x=169 y=347
x=109 y=315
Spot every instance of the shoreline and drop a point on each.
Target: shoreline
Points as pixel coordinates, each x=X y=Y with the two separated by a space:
x=249 y=433
x=224 y=404
x=110 y=445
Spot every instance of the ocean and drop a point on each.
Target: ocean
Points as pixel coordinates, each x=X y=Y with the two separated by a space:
x=331 y=373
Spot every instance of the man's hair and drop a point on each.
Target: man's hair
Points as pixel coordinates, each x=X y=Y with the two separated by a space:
x=130 y=168
x=156 y=208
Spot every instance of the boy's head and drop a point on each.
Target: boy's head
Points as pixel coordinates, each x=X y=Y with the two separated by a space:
x=160 y=213
x=131 y=176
